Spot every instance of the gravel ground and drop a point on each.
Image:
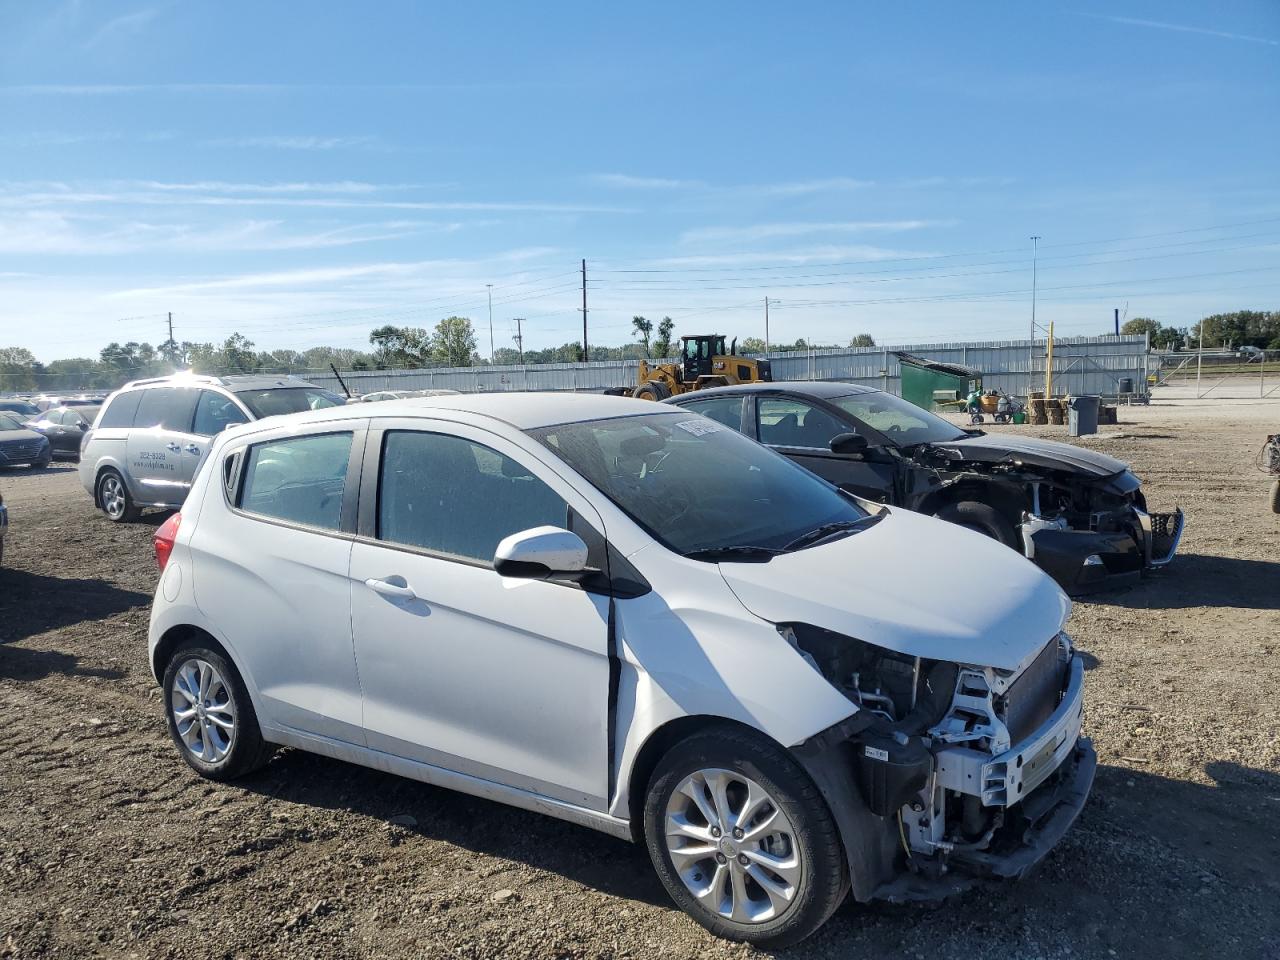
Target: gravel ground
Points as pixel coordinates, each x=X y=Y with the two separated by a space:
x=110 y=846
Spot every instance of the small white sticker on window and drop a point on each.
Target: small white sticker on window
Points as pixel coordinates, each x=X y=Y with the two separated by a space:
x=700 y=427
x=875 y=753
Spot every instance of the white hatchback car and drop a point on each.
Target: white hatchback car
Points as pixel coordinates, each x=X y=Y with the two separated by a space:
x=636 y=619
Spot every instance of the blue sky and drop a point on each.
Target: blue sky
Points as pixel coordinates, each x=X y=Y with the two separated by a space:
x=303 y=172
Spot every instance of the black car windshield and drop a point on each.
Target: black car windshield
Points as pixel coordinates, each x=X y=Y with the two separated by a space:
x=902 y=422
x=281 y=400
x=699 y=487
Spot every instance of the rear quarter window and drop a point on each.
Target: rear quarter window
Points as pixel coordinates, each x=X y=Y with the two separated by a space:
x=122 y=410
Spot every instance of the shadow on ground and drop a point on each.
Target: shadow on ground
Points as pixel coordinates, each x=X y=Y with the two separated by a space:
x=1204 y=830
x=31 y=604
x=1198 y=580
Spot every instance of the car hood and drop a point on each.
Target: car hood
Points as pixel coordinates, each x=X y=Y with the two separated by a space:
x=1030 y=450
x=8 y=436
x=914 y=585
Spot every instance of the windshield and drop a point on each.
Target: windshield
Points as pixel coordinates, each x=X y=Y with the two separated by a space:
x=696 y=485
x=9 y=421
x=902 y=422
x=281 y=400
x=19 y=408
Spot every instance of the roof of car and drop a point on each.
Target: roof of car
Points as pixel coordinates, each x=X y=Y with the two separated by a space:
x=233 y=382
x=524 y=411
x=822 y=389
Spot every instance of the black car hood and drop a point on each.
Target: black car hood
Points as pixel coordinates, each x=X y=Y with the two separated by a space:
x=8 y=436
x=1033 y=452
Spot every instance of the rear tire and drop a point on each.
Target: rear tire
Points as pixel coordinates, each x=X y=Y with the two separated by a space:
x=982 y=518
x=761 y=808
x=114 y=499
x=653 y=390
x=210 y=716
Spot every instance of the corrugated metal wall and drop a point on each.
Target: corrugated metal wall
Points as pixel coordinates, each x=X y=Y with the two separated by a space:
x=1081 y=365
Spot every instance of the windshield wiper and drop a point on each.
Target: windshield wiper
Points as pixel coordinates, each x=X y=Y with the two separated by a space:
x=734 y=552
x=826 y=530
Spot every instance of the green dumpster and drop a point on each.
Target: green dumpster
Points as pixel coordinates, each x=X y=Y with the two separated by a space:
x=924 y=381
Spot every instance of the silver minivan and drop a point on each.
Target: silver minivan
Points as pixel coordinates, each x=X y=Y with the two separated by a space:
x=149 y=438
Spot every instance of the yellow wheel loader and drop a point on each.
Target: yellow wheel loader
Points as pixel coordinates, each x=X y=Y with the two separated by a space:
x=704 y=362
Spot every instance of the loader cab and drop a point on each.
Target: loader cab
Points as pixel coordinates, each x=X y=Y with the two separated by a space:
x=697 y=352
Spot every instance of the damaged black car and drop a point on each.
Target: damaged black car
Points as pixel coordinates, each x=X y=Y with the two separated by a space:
x=1079 y=515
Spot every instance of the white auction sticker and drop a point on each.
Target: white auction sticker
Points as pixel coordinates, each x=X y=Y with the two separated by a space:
x=700 y=427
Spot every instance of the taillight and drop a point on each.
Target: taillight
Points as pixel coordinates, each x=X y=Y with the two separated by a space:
x=164 y=538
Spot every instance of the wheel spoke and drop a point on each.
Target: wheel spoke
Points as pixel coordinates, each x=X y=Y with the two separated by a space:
x=741 y=910
x=695 y=788
x=719 y=784
x=756 y=801
x=779 y=895
x=679 y=826
x=223 y=719
x=787 y=868
x=763 y=827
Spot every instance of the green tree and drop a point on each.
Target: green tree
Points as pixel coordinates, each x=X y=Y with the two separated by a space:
x=643 y=329
x=401 y=346
x=17 y=369
x=751 y=346
x=662 y=346
x=1140 y=325
x=862 y=340
x=237 y=356
x=454 y=342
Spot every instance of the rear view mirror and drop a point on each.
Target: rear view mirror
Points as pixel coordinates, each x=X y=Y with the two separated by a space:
x=848 y=443
x=542 y=553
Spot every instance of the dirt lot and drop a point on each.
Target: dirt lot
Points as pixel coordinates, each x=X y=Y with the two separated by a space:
x=110 y=846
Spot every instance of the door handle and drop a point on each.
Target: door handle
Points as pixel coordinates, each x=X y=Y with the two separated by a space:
x=174 y=447
x=193 y=449
x=401 y=591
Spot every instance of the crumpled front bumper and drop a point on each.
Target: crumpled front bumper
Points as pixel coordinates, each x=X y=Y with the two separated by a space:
x=1084 y=561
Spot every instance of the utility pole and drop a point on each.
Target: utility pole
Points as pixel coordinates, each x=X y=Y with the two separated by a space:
x=1031 y=349
x=1199 y=359
x=520 y=338
x=489 y=287
x=585 y=355
x=766 y=324
x=1117 y=321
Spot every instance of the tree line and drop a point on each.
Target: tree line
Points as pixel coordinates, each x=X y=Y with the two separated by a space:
x=1243 y=328
x=451 y=343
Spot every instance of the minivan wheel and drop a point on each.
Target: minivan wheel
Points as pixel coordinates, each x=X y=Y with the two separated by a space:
x=211 y=718
x=113 y=497
x=742 y=839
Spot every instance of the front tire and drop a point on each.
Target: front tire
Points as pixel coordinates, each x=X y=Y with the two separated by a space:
x=210 y=716
x=114 y=499
x=981 y=518
x=653 y=390
x=742 y=839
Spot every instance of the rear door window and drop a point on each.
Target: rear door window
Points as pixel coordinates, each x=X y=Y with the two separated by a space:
x=298 y=480
x=122 y=411
x=453 y=496
x=726 y=410
x=154 y=407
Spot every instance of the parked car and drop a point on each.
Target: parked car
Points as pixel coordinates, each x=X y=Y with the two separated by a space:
x=23 y=409
x=151 y=435
x=1079 y=515
x=65 y=427
x=610 y=611
x=20 y=446
x=381 y=395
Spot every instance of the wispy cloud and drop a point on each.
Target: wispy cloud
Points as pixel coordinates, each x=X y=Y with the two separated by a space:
x=767 y=231
x=626 y=181
x=122 y=26
x=1180 y=28
x=57 y=139
x=222 y=186
x=294 y=143
x=821 y=185
x=795 y=256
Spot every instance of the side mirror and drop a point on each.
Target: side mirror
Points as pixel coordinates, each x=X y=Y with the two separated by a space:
x=848 y=443
x=542 y=553
x=82 y=425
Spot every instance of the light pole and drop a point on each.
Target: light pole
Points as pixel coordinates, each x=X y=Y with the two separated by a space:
x=489 y=288
x=1031 y=348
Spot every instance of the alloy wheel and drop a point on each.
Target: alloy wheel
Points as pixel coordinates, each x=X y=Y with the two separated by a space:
x=113 y=496
x=203 y=711
x=733 y=847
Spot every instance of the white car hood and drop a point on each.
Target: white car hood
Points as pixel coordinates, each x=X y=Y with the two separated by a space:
x=913 y=585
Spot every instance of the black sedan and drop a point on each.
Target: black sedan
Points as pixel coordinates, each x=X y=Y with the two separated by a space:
x=20 y=446
x=1079 y=515
x=65 y=427
x=22 y=409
